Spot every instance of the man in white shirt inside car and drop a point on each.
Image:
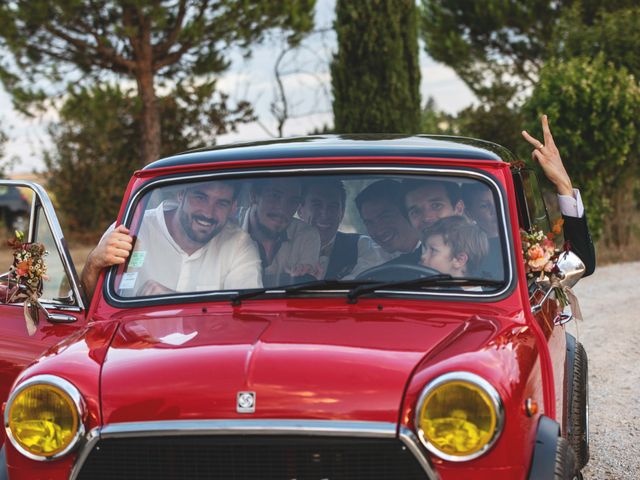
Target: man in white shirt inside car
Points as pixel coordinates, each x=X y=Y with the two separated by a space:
x=188 y=245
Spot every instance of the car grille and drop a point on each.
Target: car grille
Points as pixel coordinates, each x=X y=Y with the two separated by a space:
x=251 y=457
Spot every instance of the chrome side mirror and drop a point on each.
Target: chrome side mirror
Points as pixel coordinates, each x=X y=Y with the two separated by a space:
x=571 y=269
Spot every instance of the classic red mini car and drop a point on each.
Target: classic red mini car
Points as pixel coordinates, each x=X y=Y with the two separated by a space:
x=329 y=307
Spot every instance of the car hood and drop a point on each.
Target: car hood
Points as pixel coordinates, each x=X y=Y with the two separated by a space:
x=302 y=365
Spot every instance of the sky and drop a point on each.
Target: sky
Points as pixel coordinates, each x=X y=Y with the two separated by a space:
x=305 y=75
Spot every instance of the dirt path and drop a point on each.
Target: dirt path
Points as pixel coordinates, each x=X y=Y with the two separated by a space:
x=610 y=302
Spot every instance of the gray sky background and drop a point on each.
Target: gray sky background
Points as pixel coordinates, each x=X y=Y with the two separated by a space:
x=307 y=84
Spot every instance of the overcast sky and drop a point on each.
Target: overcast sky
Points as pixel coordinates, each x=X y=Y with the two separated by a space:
x=307 y=84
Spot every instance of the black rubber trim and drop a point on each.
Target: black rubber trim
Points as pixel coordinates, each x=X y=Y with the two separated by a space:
x=544 y=452
x=568 y=384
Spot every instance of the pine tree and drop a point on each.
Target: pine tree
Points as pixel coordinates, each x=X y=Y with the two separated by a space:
x=375 y=73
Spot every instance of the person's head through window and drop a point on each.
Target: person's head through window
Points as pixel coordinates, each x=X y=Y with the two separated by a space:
x=481 y=208
x=454 y=246
x=203 y=211
x=381 y=207
x=323 y=204
x=275 y=201
x=427 y=201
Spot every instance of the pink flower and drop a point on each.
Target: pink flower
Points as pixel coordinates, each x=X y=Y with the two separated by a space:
x=535 y=252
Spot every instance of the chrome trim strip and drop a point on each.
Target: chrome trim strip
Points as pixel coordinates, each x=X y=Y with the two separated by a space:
x=68 y=388
x=90 y=441
x=58 y=236
x=413 y=444
x=250 y=427
x=328 y=170
x=469 y=378
x=326 y=428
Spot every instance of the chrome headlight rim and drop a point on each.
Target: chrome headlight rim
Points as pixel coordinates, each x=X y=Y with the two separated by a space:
x=77 y=400
x=476 y=380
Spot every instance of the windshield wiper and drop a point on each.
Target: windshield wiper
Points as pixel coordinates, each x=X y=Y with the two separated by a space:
x=441 y=280
x=296 y=287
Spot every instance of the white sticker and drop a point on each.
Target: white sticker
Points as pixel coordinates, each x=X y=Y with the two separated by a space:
x=137 y=259
x=128 y=280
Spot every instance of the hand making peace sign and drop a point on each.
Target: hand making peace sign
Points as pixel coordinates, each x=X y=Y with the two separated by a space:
x=549 y=158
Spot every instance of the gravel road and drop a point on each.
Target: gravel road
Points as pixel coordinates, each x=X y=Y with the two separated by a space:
x=610 y=303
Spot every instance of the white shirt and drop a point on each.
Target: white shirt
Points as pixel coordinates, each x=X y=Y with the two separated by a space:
x=229 y=261
x=571 y=206
x=300 y=245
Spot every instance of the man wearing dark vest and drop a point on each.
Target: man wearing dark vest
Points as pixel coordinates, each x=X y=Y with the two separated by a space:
x=341 y=254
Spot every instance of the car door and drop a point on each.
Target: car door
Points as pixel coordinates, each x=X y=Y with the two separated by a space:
x=534 y=215
x=61 y=295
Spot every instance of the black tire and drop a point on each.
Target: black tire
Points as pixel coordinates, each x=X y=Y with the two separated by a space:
x=579 y=414
x=565 y=468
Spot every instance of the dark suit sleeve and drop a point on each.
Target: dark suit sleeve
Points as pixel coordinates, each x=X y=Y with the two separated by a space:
x=576 y=231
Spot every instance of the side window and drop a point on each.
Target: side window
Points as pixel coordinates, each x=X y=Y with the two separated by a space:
x=25 y=207
x=532 y=211
x=56 y=289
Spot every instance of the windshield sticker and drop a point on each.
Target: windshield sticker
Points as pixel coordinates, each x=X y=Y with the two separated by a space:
x=137 y=259
x=128 y=280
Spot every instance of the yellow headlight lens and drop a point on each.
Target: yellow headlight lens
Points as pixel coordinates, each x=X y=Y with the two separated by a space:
x=43 y=419
x=458 y=418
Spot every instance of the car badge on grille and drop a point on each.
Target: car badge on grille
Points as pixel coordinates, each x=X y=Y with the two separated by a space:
x=246 y=402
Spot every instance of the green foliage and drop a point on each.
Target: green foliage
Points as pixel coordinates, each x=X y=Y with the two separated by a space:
x=498 y=123
x=97 y=145
x=594 y=112
x=375 y=73
x=80 y=41
x=615 y=34
x=436 y=122
x=504 y=42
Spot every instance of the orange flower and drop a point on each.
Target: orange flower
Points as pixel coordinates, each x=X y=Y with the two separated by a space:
x=23 y=268
x=557 y=226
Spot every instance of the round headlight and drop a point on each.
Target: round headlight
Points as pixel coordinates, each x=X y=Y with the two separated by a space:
x=459 y=416
x=43 y=417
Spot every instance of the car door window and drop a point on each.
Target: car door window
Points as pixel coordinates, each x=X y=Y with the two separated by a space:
x=56 y=288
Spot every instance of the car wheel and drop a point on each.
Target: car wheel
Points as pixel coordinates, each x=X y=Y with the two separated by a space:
x=565 y=462
x=579 y=432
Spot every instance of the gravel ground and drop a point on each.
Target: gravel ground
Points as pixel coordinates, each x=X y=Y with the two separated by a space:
x=610 y=303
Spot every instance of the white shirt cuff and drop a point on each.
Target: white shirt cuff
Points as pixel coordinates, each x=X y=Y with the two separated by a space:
x=571 y=206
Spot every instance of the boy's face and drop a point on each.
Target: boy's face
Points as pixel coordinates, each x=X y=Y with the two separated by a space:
x=438 y=255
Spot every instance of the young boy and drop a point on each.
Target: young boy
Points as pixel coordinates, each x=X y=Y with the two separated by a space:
x=455 y=246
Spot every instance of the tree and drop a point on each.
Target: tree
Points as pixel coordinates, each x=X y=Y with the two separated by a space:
x=97 y=146
x=141 y=40
x=595 y=110
x=375 y=72
x=504 y=43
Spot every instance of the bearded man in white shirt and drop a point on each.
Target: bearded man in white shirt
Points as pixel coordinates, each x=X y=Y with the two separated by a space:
x=185 y=246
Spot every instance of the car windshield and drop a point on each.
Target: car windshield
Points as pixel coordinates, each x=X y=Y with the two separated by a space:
x=276 y=232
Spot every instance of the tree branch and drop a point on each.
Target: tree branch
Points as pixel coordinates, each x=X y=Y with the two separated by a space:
x=163 y=47
x=82 y=46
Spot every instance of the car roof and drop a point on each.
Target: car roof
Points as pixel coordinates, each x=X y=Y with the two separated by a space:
x=363 y=145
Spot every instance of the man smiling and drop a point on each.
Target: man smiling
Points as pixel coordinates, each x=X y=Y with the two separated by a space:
x=183 y=245
x=289 y=248
x=341 y=254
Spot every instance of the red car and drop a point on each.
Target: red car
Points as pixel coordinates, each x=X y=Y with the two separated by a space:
x=304 y=309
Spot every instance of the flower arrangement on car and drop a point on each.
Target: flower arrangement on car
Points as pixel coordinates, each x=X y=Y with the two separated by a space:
x=25 y=277
x=541 y=257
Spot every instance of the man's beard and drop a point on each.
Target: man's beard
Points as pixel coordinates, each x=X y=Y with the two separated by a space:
x=201 y=238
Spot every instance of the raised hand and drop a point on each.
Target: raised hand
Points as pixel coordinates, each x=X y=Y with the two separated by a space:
x=548 y=157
